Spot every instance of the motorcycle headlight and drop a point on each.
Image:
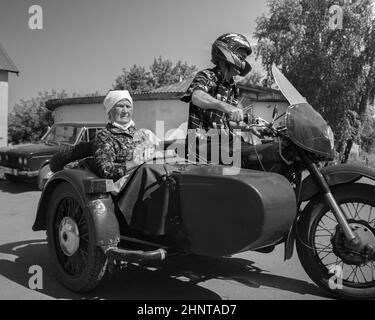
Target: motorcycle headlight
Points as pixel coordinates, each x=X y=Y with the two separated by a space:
x=20 y=160
x=25 y=161
x=331 y=137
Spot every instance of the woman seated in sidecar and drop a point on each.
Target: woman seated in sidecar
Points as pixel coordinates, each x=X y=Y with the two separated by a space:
x=120 y=147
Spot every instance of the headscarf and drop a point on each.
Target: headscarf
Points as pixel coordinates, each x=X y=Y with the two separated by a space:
x=115 y=96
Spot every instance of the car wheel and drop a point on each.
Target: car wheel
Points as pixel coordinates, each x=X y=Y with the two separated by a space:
x=78 y=263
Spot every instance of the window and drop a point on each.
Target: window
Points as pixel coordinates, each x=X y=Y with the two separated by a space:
x=92 y=133
x=63 y=134
x=89 y=134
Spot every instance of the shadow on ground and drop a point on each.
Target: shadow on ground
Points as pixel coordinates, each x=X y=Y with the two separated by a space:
x=18 y=187
x=176 y=279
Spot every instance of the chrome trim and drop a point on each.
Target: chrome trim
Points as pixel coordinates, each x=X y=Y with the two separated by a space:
x=68 y=236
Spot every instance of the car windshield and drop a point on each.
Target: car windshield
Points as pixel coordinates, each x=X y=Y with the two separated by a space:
x=62 y=134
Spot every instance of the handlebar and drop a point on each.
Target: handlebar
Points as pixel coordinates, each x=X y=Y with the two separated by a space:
x=267 y=128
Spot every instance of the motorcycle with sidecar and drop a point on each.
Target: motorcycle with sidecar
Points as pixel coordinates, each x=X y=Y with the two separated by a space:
x=178 y=207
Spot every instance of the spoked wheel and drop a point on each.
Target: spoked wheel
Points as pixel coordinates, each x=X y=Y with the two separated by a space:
x=77 y=262
x=339 y=267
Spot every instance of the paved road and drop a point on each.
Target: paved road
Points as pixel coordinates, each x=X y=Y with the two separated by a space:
x=244 y=276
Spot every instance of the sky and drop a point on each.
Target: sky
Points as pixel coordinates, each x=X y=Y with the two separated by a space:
x=84 y=44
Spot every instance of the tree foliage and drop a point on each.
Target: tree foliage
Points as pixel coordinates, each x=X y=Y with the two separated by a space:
x=253 y=78
x=29 y=120
x=333 y=69
x=161 y=73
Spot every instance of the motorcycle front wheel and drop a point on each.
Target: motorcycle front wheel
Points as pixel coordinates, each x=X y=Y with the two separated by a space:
x=340 y=271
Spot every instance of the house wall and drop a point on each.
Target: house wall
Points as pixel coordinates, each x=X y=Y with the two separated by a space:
x=3 y=108
x=171 y=114
x=355 y=151
x=80 y=113
x=265 y=109
x=147 y=112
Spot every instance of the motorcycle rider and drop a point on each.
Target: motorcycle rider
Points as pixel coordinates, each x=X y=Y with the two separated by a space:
x=213 y=94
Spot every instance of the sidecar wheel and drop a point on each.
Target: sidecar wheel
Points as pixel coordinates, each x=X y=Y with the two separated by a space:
x=77 y=262
x=320 y=249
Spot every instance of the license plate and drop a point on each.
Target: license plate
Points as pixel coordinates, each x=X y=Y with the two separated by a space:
x=10 y=171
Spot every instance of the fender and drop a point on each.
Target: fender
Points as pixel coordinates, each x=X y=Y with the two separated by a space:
x=101 y=209
x=337 y=174
x=44 y=164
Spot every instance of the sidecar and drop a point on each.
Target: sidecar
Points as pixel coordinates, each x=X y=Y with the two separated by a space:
x=162 y=210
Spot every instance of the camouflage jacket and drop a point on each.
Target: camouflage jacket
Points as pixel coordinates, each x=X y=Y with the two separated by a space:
x=115 y=147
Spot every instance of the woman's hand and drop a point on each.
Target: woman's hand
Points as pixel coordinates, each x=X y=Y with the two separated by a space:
x=143 y=153
x=148 y=153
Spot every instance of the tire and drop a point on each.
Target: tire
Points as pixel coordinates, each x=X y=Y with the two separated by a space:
x=83 y=270
x=315 y=224
x=44 y=172
x=13 y=178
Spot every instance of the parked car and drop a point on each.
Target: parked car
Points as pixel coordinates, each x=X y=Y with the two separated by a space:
x=30 y=161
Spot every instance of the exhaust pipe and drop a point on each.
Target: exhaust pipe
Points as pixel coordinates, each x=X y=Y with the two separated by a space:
x=136 y=256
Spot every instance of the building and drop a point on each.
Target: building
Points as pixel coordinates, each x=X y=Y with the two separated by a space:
x=6 y=66
x=161 y=105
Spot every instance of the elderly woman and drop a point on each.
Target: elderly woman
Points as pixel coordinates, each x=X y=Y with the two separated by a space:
x=120 y=146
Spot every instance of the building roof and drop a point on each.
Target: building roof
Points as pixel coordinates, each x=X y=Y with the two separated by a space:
x=55 y=103
x=6 y=63
x=262 y=94
x=255 y=92
x=171 y=92
x=178 y=87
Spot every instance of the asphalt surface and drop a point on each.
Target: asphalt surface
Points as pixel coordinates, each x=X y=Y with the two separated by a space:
x=249 y=276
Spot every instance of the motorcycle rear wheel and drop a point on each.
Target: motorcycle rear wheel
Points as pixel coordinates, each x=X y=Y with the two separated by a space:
x=326 y=262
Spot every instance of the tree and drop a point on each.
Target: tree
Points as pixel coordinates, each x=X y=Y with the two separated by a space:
x=135 y=80
x=29 y=120
x=253 y=78
x=162 y=73
x=333 y=69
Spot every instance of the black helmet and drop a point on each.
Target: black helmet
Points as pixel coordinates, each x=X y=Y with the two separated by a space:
x=226 y=48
